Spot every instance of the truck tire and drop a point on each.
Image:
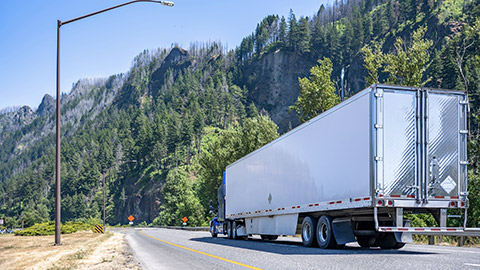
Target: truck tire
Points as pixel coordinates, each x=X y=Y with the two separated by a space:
x=309 y=226
x=212 y=229
x=365 y=241
x=398 y=245
x=388 y=241
x=229 y=230
x=324 y=233
x=234 y=231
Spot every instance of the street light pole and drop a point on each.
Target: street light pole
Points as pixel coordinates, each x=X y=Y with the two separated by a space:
x=57 y=159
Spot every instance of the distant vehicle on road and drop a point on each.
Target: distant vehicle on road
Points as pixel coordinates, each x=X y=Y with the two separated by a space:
x=351 y=173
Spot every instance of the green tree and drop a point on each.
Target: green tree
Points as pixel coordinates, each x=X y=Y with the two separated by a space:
x=292 y=35
x=282 y=34
x=407 y=65
x=252 y=110
x=303 y=35
x=317 y=93
x=374 y=59
x=180 y=200
x=37 y=214
x=474 y=199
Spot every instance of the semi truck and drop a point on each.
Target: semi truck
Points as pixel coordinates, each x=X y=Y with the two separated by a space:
x=353 y=172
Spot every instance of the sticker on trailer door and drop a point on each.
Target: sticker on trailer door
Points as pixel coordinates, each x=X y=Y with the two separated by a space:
x=448 y=184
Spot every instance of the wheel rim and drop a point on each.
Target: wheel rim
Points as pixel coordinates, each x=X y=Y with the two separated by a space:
x=307 y=232
x=323 y=232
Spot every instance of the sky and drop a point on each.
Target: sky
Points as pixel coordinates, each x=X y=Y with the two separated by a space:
x=105 y=44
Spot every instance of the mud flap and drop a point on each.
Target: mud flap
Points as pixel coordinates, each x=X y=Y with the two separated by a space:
x=404 y=237
x=342 y=230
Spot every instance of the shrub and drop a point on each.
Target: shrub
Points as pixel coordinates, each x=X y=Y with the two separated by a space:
x=48 y=228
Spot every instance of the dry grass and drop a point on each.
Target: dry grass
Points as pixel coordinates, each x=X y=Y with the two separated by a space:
x=79 y=250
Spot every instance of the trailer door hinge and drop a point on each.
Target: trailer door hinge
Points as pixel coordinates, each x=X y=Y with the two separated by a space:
x=378 y=126
x=378 y=95
x=463 y=131
x=464 y=162
x=464 y=102
x=378 y=158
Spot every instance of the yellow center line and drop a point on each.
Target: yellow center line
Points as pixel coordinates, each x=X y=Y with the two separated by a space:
x=203 y=253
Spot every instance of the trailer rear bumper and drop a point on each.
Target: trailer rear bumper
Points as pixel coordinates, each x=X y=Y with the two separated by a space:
x=434 y=231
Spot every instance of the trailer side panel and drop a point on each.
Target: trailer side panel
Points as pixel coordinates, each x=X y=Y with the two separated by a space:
x=325 y=159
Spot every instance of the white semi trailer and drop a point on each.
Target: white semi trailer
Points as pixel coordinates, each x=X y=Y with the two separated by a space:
x=351 y=173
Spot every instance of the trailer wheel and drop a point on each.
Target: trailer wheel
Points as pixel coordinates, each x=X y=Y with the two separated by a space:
x=309 y=225
x=388 y=241
x=324 y=233
x=365 y=241
x=229 y=230
x=212 y=229
x=234 y=231
x=399 y=245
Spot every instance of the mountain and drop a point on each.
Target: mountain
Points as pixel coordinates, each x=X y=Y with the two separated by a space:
x=146 y=130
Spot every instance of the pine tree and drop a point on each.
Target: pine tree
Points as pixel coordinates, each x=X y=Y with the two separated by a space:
x=303 y=42
x=292 y=35
x=252 y=110
x=282 y=34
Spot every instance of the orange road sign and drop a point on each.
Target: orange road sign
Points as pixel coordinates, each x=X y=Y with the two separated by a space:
x=131 y=218
x=184 y=219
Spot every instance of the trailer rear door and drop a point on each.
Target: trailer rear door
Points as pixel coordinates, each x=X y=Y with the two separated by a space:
x=420 y=143
x=446 y=137
x=398 y=152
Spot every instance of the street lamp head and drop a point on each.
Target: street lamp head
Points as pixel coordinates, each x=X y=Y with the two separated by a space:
x=167 y=3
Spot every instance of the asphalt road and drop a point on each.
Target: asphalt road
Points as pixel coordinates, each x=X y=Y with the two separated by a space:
x=177 y=249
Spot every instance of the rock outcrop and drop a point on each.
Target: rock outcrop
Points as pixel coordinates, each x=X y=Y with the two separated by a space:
x=47 y=106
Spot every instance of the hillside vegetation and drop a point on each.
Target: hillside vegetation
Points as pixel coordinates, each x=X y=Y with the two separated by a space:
x=162 y=133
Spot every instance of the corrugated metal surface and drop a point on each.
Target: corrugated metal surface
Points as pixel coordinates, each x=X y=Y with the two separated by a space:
x=399 y=142
x=443 y=143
